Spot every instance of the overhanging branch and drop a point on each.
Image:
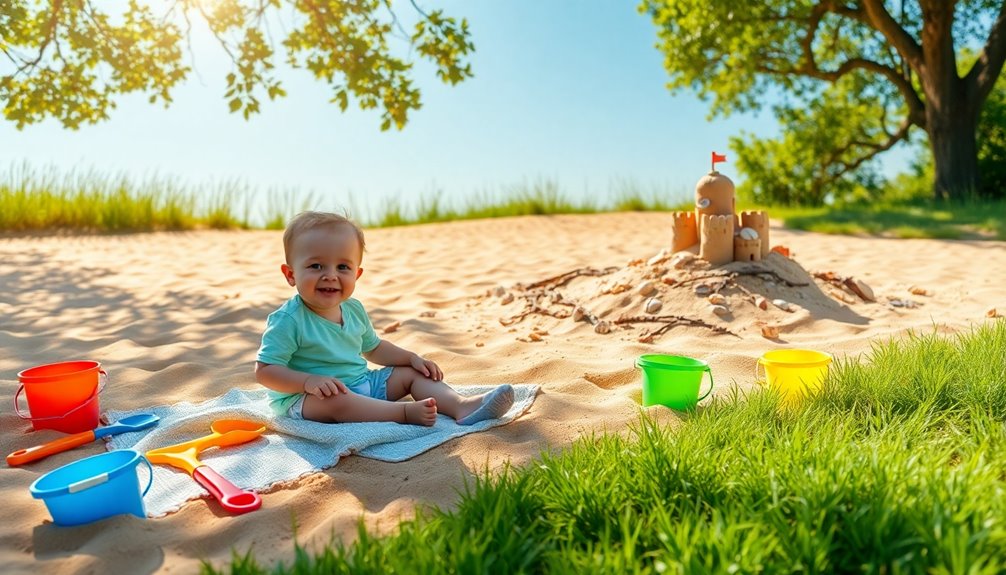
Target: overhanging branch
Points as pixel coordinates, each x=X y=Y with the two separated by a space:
x=983 y=75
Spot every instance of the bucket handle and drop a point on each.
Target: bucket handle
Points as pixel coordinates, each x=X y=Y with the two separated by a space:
x=150 y=480
x=708 y=370
x=102 y=374
x=758 y=364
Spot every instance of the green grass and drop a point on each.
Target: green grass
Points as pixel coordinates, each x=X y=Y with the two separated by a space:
x=916 y=219
x=898 y=466
x=46 y=201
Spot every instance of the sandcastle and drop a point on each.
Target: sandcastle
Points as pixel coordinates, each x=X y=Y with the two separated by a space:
x=722 y=235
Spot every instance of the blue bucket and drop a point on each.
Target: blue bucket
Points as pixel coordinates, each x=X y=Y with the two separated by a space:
x=93 y=488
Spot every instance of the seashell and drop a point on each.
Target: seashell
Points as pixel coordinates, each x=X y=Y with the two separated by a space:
x=770 y=332
x=660 y=257
x=479 y=344
x=534 y=336
x=782 y=304
x=916 y=290
x=682 y=260
x=717 y=299
x=748 y=234
x=498 y=291
x=646 y=288
x=579 y=313
x=761 y=302
x=507 y=298
x=653 y=305
x=992 y=312
x=428 y=314
x=720 y=310
x=702 y=290
x=393 y=326
x=602 y=327
x=668 y=280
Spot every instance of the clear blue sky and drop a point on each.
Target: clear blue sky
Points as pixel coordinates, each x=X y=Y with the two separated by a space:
x=573 y=91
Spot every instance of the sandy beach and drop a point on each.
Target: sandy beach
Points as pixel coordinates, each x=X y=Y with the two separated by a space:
x=178 y=316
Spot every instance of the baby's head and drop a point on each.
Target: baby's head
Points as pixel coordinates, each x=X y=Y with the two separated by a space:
x=323 y=256
x=308 y=221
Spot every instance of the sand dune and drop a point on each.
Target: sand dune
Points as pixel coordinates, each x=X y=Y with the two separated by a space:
x=177 y=316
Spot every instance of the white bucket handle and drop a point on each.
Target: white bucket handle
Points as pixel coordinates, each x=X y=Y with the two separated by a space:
x=102 y=375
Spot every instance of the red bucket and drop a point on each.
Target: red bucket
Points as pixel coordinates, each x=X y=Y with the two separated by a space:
x=62 y=396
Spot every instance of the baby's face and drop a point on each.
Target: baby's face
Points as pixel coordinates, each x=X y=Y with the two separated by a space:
x=324 y=266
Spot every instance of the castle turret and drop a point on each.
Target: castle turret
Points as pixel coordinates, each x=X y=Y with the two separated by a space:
x=714 y=195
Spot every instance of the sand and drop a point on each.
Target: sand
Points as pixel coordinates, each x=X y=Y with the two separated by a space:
x=177 y=316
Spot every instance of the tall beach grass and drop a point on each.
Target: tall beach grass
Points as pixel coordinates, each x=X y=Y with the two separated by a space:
x=898 y=466
x=88 y=201
x=48 y=201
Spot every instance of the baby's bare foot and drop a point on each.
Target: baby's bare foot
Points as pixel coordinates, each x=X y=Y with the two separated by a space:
x=421 y=412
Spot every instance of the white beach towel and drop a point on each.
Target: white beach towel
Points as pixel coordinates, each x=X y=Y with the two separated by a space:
x=288 y=449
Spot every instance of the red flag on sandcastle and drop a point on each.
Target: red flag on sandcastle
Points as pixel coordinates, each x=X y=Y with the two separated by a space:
x=717 y=158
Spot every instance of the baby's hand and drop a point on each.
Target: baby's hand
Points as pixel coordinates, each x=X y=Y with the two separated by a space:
x=426 y=367
x=324 y=386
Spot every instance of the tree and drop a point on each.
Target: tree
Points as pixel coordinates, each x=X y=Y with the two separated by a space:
x=890 y=67
x=68 y=59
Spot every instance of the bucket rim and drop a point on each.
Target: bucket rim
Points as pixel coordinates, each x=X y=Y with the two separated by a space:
x=45 y=493
x=90 y=365
x=824 y=358
x=645 y=361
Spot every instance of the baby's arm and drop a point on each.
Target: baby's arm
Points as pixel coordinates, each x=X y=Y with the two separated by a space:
x=387 y=353
x=285 y=380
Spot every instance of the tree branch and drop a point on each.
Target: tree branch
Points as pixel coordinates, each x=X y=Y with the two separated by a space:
x=983 y=75
x=881 y=20
x=876 y=148
x=52 y=24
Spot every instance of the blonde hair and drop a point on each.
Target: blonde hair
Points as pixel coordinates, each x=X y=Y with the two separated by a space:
x=306 y=221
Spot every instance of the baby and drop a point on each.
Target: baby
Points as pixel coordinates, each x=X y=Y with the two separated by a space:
x=316 y=346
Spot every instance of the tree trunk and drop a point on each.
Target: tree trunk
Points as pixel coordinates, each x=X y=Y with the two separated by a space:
x=955 y=155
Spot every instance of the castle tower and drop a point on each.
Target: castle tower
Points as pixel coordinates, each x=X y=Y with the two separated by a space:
x=716 y=238
x=747 y=250
x=684 y=231
x=758 y=221
x=714 y=195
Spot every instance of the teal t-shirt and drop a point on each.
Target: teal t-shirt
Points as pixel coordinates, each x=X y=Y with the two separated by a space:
x=298 y=338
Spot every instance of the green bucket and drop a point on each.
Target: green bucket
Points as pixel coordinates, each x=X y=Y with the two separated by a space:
x=673 y=380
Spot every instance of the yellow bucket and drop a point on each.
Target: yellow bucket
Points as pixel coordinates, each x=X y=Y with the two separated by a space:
x=794 y=373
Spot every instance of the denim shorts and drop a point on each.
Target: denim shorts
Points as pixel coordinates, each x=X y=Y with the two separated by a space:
x=374 y=384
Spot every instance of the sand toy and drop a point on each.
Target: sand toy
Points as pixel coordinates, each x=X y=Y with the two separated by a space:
x=62 y=396
x=93 y=488
x=185 y=456
x=132 y=423
x=673 y=380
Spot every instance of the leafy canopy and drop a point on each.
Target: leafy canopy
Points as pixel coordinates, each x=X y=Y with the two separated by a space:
x=69 y=59
x=847 y=80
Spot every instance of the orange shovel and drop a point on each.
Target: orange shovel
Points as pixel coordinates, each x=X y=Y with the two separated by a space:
x=185 y=456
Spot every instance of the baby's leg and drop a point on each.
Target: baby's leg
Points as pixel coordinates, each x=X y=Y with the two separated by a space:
x=407 y=381
x=352 y=407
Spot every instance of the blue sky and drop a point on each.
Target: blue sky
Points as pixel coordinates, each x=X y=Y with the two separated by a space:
x=565 y=90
